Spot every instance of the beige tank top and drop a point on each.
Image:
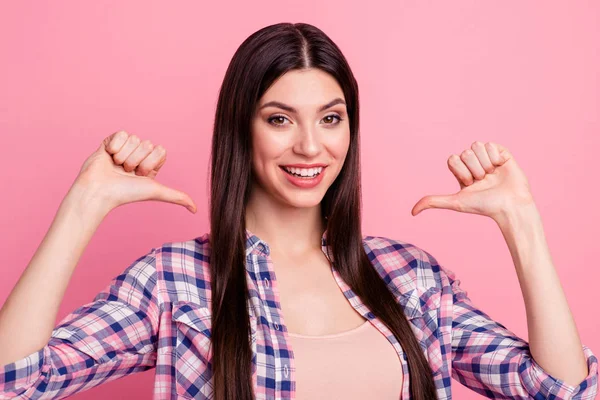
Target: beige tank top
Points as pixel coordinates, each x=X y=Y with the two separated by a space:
x=356 y=364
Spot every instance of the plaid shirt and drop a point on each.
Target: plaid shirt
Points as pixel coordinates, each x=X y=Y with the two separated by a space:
x=157 y=314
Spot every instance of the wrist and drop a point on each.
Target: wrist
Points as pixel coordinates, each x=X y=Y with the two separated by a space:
x=521 y=227
x=517 y=215
x=87 y=200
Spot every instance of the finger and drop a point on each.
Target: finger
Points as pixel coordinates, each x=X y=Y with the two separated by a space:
x=140 y=153
x=169 y=195
x=114 y=142
x=498 y=153
x=130 y=145
x=460 y=171
x=437 y=201
x=504 y=153
x=472 y=162
x=153 y=162
x=483 y=157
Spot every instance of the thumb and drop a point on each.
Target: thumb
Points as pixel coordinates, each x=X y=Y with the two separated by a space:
x=437 y=201
x=169 y=195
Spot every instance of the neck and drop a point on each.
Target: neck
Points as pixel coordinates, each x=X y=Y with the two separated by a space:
x=286 y=229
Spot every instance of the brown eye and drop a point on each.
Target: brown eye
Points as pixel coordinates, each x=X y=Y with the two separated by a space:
x=333 y=116
x=277 y=117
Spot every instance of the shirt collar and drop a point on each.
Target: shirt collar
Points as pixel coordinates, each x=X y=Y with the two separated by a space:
x=255 y=245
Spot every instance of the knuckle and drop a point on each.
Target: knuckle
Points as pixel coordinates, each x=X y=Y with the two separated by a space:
x=110 y=146
x=112 y=140
x=457 y=160
x=465 y=154
x=476 y=145
x=121 y=135
x=147 y=144
x=160 y=149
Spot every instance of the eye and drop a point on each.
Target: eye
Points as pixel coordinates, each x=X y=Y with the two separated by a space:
x=339 y=119
x=328 y=118
x=276 y=117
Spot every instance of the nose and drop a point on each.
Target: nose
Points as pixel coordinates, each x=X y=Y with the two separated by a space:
x=307 y=142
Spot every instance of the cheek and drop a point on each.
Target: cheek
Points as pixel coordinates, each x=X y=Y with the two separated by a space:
x=267 y=146
x=266 y=149
x=339 y=147
x=259 y=170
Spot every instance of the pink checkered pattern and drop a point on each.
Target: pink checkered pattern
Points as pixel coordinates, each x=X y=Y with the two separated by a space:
x=156 y=314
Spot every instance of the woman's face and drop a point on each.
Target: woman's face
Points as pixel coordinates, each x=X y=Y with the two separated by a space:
x=300 y=121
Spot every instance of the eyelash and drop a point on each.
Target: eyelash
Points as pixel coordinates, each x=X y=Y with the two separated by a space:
x=339 y=119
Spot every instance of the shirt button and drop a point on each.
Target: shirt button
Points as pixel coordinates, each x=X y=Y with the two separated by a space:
x=267 y=283
x=286 y=371
x=276 y=325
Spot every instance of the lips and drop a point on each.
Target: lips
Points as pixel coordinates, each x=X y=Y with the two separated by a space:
x=312 y=172
x=303 y=182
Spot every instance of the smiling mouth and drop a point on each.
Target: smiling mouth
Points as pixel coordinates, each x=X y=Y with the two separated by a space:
x=303 y=172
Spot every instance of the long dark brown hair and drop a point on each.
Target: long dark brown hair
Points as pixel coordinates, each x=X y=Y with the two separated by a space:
x=258 y=62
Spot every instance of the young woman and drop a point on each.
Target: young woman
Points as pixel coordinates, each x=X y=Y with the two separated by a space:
x=285 y=298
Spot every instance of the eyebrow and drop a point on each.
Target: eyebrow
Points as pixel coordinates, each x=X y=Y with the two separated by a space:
x=293 y=110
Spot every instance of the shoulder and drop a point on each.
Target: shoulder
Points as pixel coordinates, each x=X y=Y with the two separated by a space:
x=183 y=269
x=404 y=264
x=187 y=255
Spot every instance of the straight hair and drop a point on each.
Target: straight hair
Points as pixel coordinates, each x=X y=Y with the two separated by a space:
x=262 y=58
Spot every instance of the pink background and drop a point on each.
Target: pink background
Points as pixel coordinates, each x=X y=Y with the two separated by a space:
x=433 y=79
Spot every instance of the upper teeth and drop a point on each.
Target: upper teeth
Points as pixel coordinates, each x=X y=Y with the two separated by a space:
x=304 y=171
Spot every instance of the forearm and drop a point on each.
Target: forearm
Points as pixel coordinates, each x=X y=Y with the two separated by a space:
x=28 y=316
x=553 y=338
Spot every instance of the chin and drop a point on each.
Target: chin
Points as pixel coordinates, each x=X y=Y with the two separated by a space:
x=305 y=200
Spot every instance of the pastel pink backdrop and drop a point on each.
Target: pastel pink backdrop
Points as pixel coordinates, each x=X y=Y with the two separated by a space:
x=433 y=78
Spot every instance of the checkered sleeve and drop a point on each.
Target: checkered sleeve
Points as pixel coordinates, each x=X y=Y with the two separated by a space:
x=106 y=339
x=493 y=361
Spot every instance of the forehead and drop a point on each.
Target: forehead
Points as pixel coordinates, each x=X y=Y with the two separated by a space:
x=303 y=89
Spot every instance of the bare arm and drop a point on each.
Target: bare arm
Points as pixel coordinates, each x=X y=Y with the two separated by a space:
x=28 y=316
x=553 y=337
x=120 y=171
x=41 y=360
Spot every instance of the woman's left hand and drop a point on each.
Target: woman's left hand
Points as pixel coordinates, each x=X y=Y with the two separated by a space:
x=491 y=183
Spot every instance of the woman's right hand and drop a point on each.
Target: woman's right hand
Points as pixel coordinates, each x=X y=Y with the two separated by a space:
x=122 y=171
